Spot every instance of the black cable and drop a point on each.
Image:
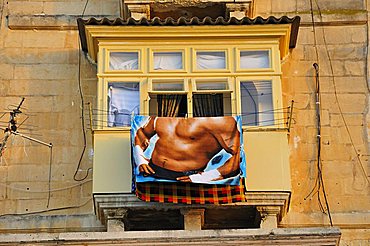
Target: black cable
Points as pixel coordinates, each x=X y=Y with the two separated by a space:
x=48 y=210
x=337 y=101
x=49 y=180
x=82 y=111
x=319 y=182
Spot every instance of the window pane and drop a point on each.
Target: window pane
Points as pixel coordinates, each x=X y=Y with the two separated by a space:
x=168 y=86
x=211 y=60
x=254 y=59
x=168 y=105
x=123 y=100
x=257 y=104
x=167 y=60
x=217 y=85
x=124 y=61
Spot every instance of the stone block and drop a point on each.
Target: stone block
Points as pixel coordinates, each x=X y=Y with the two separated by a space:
x=263 y=8
x=303 y=134
x=24 y=87
x=347 y=84
x=31 y=205
x=44 y=39
x=305 y=118
x=349 y=103
x=27 y=190
x=6 y=71
x=28 y=173
x=94 y=7
x=304 y=152
x=337 y=152
x=66 y=155
x=355 y=68
x=45 y=71
x=347 y=52
x=25 y=7
x=284 y=6
x=13 y=39
x=7 y=207
x=348 y=35
x=350 y=120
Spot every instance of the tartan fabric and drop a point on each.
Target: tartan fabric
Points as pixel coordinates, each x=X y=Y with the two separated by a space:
x=190 y=193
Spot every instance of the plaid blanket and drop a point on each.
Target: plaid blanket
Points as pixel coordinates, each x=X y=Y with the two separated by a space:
x=190 y=193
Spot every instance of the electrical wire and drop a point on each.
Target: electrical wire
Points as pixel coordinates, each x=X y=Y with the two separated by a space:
x=82 y=111
x=359 y=161
x=319 y=182
x=49 y=178
x=48 y=210
x=45 y=191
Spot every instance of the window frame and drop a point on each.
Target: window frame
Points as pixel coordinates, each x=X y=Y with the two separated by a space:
x=228 y=55
x=151 y=60
x=277 y=104
x=103 y=96
x=141 y=60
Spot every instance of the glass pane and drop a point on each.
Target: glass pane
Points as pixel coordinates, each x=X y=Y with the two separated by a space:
x=257 y=104
x=254 y=59
x=167 y=60
x=211 y=85
x=124 y=61
x=123 y=101
x=212 y=105
x=211 y=60
x=168 y=86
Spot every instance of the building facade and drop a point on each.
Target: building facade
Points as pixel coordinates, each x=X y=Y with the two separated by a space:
x=307 y=172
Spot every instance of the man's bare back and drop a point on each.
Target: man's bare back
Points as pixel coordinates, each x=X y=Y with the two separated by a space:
x=189 y=144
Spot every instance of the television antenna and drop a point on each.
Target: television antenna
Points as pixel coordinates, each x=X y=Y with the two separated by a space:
x=12 y=128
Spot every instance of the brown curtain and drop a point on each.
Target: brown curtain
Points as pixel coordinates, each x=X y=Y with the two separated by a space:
x=208 y=105
x=168 y=105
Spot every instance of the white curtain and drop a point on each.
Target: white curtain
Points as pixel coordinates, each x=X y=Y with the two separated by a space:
x=123 y=101
x=124 y=61
x=211 y=60
x=257 y=104
x=167 y=60
x=254 y=59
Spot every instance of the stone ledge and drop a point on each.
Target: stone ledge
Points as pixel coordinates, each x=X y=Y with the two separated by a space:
x=303 y=236
x=277 y=201
x=47 y=22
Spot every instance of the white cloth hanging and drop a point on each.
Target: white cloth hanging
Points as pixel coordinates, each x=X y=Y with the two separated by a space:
x=123 y=101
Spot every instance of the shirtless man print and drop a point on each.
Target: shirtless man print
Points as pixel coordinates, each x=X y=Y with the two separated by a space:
x=186 y=145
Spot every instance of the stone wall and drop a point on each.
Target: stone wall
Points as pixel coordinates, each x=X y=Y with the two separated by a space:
x=338 y=43
x=43 y=63
x=41 y=60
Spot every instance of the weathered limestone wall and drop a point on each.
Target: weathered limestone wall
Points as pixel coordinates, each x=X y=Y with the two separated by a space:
x=339 y=45
x=40 y=60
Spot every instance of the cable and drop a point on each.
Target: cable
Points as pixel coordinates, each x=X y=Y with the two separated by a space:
x=48 y=210
x=45 y=191
x=337 y=100
x=319 y=182
x=82 y=110
x=49 y=178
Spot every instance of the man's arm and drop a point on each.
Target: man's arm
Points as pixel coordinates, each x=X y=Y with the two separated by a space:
x=142 y=138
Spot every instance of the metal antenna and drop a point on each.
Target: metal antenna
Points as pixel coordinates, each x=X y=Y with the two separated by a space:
x=13 y=129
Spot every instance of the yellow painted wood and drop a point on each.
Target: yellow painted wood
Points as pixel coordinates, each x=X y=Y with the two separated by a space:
x=112 y=162
x=267 y=152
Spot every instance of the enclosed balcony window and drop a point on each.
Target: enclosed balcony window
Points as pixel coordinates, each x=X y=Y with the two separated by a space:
x=123 y=101
x=168 y=60
x=210 y=60
x=252 y=59
x=124 y=61
x=257 y=103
